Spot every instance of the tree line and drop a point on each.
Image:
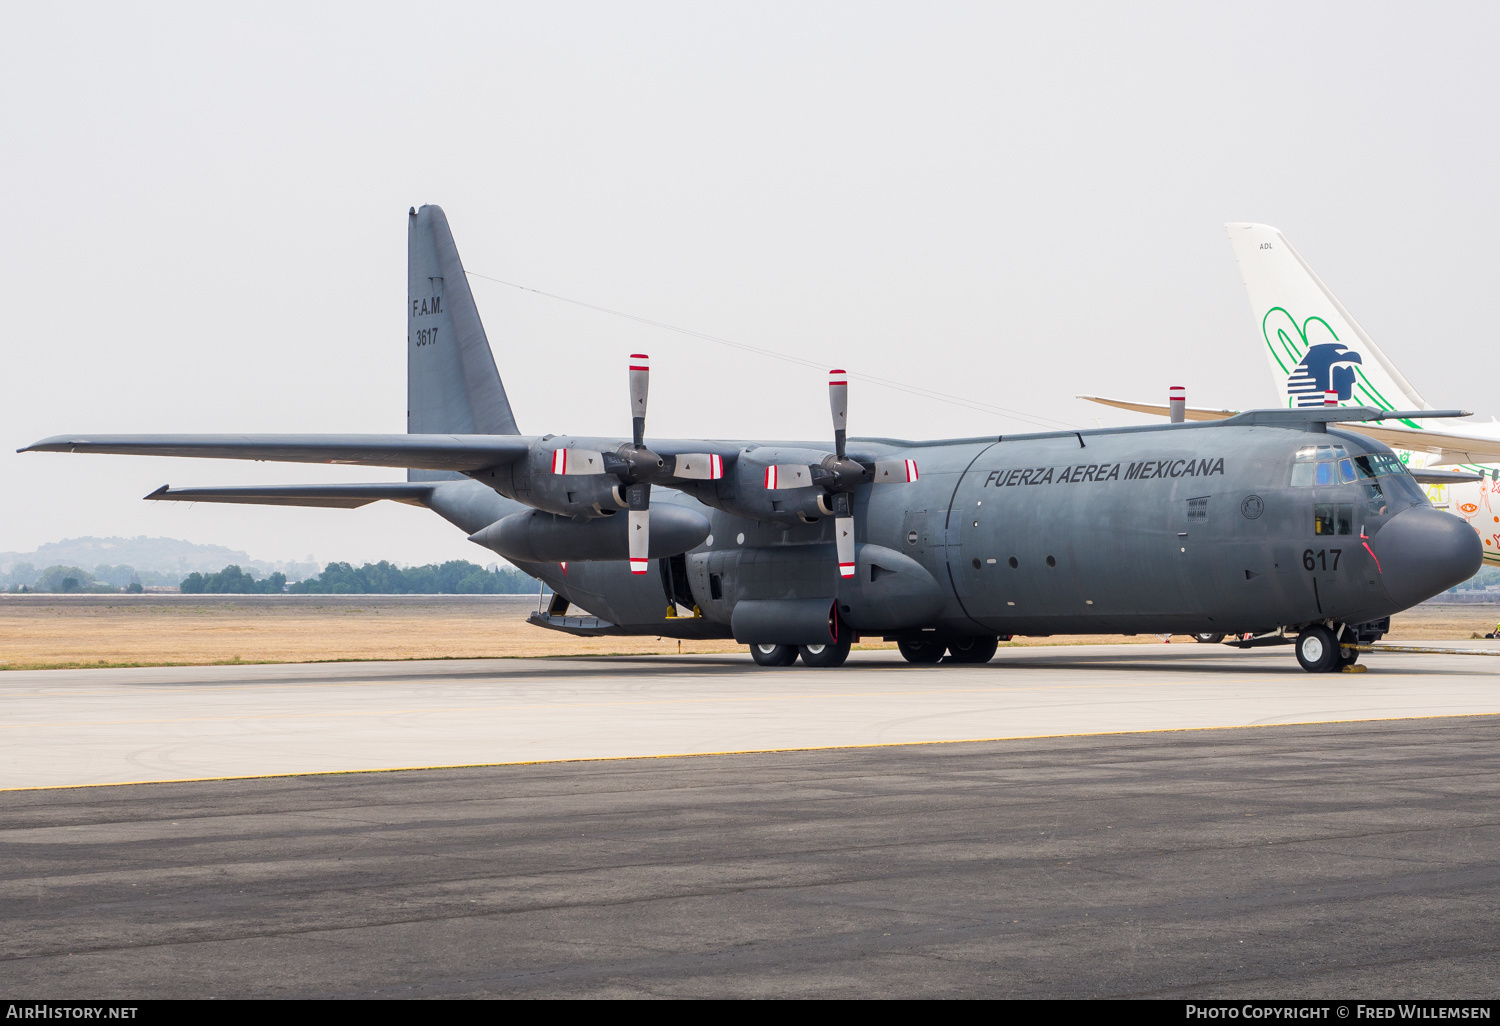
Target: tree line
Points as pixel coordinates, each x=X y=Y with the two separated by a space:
x=455 y=577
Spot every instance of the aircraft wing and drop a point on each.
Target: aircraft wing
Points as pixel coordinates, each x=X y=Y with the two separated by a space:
x=414 y=452
x=1449 y=447
x=1161 y=411
x=336 y=496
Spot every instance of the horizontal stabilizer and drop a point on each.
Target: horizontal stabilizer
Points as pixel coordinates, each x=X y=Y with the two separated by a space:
x=335 y=496
x=422 y=452
x=1449 y=448
x=1443 y=477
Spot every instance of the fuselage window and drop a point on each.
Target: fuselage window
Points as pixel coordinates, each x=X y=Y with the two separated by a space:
x=1323 y=518
x=1344 y=518
x=1333 y=518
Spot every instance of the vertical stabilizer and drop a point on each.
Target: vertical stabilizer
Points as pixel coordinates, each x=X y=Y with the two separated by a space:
x=452 y=386
x=1311 y=342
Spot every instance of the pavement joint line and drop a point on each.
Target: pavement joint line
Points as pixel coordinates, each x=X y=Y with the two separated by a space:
x=806 y=696
x=745 y=751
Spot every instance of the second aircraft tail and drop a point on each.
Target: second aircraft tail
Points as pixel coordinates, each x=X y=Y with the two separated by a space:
x=1312 y=343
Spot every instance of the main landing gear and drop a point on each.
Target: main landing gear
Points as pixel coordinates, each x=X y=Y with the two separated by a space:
x=818 y=656
x=774 y=655
x=919 y=650
x=958 y=650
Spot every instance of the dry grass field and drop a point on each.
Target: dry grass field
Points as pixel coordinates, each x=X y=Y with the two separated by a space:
x=46 y=631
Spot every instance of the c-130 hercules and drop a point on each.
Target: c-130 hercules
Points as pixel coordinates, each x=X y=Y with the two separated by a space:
x=797 y=548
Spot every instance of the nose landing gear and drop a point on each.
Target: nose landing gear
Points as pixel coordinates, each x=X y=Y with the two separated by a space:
x=1319 y=651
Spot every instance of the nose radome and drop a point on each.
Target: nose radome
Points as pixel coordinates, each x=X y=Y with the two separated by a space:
x=1424 y=551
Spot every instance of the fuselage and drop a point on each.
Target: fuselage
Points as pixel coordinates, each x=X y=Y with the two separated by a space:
x=1181 y=529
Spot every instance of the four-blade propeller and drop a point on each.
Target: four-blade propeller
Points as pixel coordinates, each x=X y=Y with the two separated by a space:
x=837 y=475
x=637 y=467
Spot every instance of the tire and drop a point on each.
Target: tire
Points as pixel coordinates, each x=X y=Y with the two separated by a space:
x=1347 y=657
x=921 y=651
x=973 y=650
x=774 y=655
x=1317 y=651
x=1208 y=639
x=825 y=656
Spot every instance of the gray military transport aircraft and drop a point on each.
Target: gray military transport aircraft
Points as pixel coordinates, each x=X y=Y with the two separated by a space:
x=1269 y=521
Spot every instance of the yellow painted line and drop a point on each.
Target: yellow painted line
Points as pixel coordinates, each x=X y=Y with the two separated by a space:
x=742 y=751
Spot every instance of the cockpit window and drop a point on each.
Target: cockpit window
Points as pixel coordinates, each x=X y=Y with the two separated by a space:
x=1328 y=465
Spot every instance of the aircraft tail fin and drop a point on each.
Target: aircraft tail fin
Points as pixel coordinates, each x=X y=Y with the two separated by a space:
x=452 y=385
x=1311 y=342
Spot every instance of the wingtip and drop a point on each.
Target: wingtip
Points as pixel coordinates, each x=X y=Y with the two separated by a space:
x=57 y=443
x=159 y=492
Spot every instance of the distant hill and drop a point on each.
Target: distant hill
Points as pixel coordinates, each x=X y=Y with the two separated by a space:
x=152 y=555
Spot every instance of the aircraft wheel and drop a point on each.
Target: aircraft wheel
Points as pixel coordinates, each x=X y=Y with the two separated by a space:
x=774 y=655
x=1317 y=650
x=1347 y=657
x=1208 y=639
x=825 y=655
x=973 y=650
x=921 y=651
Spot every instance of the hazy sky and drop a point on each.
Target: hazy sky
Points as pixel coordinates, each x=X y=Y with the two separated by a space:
x=206 y=220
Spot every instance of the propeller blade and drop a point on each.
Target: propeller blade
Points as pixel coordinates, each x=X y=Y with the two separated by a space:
x=699 y=466
x=838 y=401
x=640 y=539
x=640 y=383
x=788 y=475
x=895 y=471
x=577 y=462
x=843 y=532
x=638 y=498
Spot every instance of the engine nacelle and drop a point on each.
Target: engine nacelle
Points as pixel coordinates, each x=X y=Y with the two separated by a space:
x=532 y=481
x=782 y=505
x=535 y=536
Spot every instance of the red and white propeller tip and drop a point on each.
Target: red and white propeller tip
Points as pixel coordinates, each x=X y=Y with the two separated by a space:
x=844 y=539
x=788 y=475
x=577 y=462
x=640 y=540
x=1177 y=403
x=699 y=466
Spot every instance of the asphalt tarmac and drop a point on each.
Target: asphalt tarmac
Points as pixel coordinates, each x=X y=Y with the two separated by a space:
x=1354 y=854
x=68 y=727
